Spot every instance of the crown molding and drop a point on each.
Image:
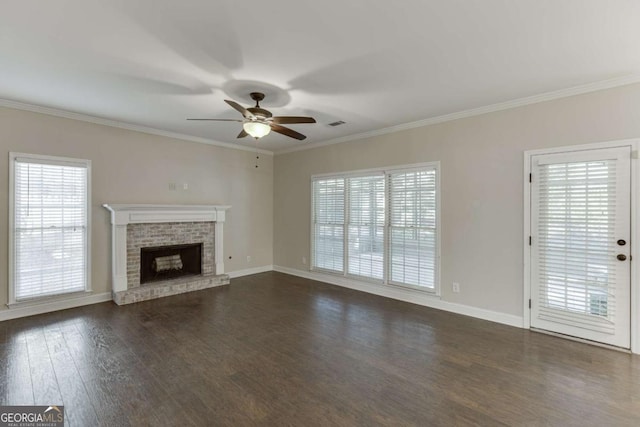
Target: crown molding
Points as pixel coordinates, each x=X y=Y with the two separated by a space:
x=514 y=103
x=519 y=102
x=123 y=125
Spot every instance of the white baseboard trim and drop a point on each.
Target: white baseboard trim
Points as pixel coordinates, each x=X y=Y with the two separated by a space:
x=407 y=295
x=250 y=271
x=49 y=306
x=402 y=294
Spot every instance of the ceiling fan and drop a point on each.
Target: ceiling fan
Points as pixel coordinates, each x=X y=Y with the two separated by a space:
x=259 y=122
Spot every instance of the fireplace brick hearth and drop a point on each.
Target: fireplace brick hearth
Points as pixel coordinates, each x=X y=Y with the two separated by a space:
x=168 y=288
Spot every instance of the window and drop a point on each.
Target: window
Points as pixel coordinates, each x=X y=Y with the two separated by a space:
x=412 y=228
x=366 y=226
x=379 y=225
x=49 y=226
x=328 y=224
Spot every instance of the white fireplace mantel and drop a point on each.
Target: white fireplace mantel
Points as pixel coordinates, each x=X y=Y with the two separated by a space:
x=124 y=214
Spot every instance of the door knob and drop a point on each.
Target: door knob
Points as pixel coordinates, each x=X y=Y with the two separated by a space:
x=622 y=242
x=621 y=257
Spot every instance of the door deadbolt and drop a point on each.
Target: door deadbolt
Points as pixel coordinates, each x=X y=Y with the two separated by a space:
x=621 y=257
x=622 y=242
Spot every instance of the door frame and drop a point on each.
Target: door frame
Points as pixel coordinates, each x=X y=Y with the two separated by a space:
x=635 y=231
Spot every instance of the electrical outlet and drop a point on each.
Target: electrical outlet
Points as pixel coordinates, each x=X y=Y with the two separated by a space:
x=248 y=258
x=304 y=260
x=185 y=186
x=172 y=186
x=456 y=287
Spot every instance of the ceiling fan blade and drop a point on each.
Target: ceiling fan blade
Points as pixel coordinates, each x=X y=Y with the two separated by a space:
x=286 y=131
x=246 y=113
x=283 y=120
x=242 y=134
x=218 y=120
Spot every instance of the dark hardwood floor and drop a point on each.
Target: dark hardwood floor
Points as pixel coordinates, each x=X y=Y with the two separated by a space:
x=277 y=350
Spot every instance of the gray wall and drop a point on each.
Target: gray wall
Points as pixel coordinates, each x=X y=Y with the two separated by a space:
x=482 y=184
x=133 y=167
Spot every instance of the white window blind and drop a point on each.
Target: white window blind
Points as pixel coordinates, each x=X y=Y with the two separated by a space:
x=366 y=226
x=328 y=223
x=576 y=243
x=412 y=228
x=378 y=224
x=50 y=227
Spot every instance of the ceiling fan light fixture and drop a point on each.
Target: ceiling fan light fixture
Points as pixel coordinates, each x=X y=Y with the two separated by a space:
x=258 y=122
x=256 y=129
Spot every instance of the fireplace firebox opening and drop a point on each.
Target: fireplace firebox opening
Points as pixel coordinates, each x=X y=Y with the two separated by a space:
x=169 y=262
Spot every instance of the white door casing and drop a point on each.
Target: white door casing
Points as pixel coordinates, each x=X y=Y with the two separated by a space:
x=580 y=208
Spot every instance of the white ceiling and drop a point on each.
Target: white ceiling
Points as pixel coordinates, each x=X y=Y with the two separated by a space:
x=373 y=64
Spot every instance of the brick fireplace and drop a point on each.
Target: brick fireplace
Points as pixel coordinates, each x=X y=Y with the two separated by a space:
x=153 y=250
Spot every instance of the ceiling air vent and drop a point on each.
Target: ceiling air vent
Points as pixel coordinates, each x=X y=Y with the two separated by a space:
x=338 y=123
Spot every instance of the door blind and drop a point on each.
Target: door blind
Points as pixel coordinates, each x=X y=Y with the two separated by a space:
x=328 y=223
x=576 y=243
x=366 y=226
x=412 y=228
x=50 y=229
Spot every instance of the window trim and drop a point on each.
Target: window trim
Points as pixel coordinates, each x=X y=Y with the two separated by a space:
x=436 y=277
x=384 y=171
x=53 y=160
x=312 y=234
